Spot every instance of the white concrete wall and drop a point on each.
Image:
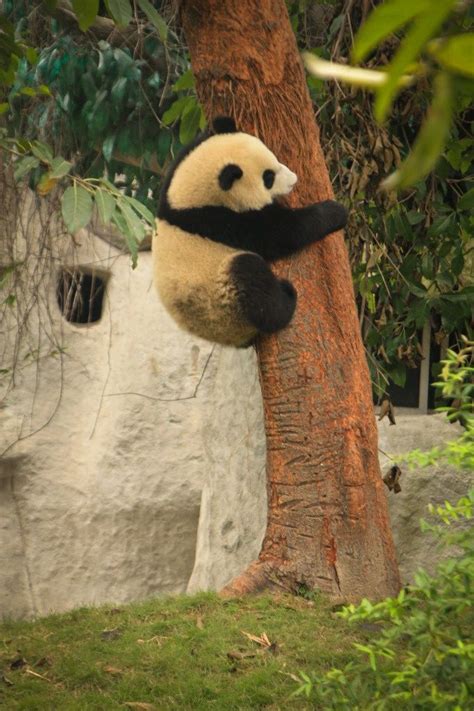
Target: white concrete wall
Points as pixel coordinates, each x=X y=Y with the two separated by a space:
x=134 y=462
x=101 y=498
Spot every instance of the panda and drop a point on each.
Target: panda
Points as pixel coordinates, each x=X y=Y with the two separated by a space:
x=219 y=227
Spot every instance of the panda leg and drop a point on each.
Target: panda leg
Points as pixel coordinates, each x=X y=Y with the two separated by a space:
x=266 y=302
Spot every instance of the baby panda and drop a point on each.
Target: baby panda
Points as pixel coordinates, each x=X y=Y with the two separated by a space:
x=218 y=228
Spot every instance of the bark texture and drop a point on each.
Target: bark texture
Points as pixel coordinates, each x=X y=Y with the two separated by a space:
x=328 y=526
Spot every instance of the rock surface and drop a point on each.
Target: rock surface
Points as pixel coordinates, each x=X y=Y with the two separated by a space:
x=434 y=484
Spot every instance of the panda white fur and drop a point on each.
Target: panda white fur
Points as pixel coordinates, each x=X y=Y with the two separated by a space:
x=218 y=227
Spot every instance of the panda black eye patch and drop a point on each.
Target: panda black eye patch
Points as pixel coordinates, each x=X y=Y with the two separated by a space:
x=228 y=175
x=268 y=178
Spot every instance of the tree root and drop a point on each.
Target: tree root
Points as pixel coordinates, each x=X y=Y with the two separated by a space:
x=259 y=576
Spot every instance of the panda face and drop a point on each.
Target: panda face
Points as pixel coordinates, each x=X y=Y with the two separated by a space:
x=230 y=170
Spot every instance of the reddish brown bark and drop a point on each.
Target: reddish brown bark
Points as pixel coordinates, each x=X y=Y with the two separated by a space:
x=328 y=526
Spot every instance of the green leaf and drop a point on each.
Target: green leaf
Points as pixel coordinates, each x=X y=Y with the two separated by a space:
x=28 y=91
x=42 y=152
x=185 y=81
x=189 y=125
x=417 y=290
x=86 y=12
x=414 y=42
x=130 y=240
x=414 y=217
x=108 y=147
x=31 y=55
x=4 y=106
x=155 y=18
x=385 y=19
x=456 y=53
x=135 y=225
x=76 y=207
x=398 y=374
x=163 y=146
x=105 y=204
x=176 y=109
x=118 y=90
x=466 y=202
x=457 y=265
x=431 y=138
x=24 y=165
x=418 y=312
x=120 y=11
x=142 y=210
x=427 y=266
x=59 y=168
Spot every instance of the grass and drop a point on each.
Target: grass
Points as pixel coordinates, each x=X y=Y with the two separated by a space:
x=171 y=653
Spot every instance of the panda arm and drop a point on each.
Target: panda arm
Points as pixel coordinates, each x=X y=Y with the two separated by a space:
x=273 y=232
x=277 y=231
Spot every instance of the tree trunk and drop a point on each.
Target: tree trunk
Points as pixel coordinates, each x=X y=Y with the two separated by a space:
x=328 y=526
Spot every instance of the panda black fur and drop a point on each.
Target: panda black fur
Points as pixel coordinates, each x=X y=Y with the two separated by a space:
x=218 y=226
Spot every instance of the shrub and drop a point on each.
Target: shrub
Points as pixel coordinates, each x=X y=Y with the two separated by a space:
x=423 y=655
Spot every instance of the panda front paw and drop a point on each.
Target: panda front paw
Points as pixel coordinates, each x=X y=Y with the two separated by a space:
x=288 y=289
x=333 y=216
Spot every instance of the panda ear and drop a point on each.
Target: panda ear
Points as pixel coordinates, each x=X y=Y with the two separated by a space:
x=228 y=175
x=224 y=124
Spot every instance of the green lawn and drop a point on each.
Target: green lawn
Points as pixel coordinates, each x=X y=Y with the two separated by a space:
x=171 y=653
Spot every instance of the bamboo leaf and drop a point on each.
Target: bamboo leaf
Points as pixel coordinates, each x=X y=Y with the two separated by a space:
x=86 y=12
x=430 y=140
x=415 y=40
x=456 y=53
x=356 y=76
x=120 y=11
x=76 y=207
x=383 y=21
x=155 y=18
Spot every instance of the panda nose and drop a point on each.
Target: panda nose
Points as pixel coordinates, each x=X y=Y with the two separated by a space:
x=288 y=174
x=287 y=179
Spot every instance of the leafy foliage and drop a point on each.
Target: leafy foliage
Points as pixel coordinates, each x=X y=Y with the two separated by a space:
x=457 y=387
x=412 y=61
x=98 y=107
x=186 y=109
x=83 y=194
x=423 y=655
x=411 y=256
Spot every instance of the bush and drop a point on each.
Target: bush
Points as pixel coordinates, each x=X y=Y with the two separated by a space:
x=423 y=656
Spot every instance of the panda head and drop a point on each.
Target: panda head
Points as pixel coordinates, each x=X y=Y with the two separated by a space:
x=227 y=169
